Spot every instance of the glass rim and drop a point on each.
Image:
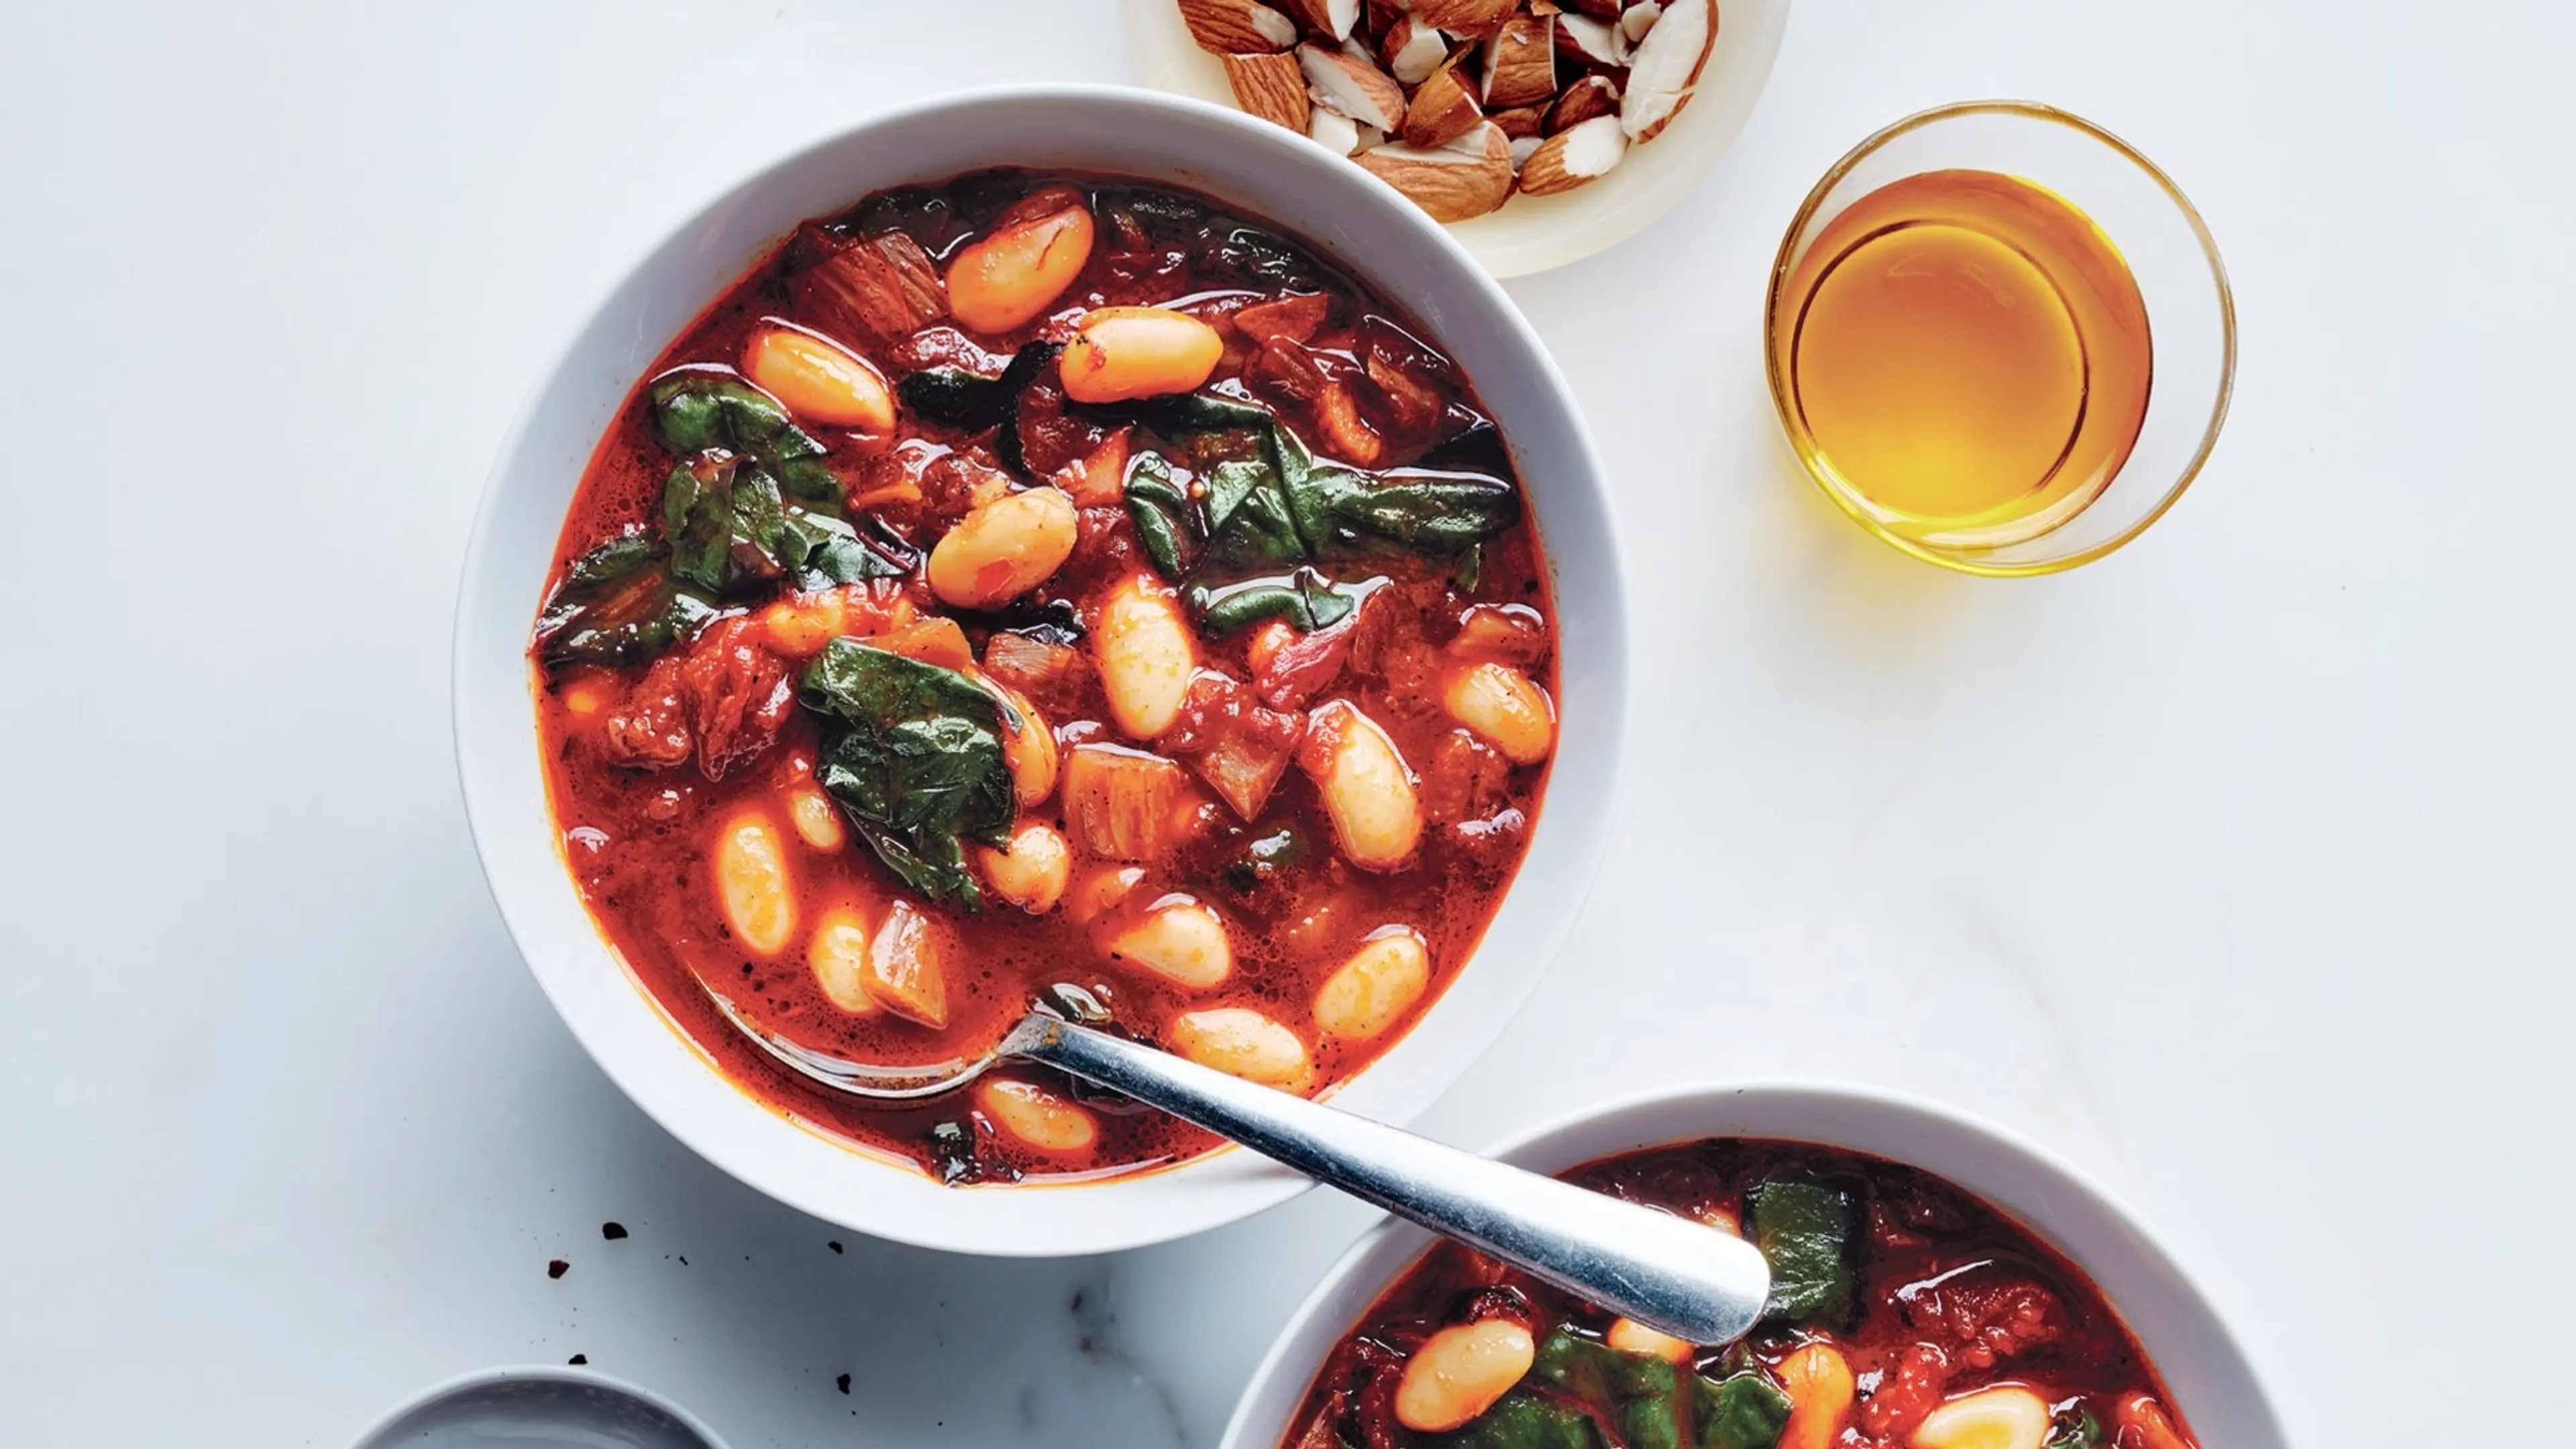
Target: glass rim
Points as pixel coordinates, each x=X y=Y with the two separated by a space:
x=2029 y=111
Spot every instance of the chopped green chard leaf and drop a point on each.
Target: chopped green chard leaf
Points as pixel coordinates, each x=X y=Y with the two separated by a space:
x=1741 y=1411
x=703 y=409
x=1637 y=1392
x=1165 y=522
x=1804 y=1230
x=728 y=526
x=913 y=755
x=1523 y=1420
x=1268 y=504
x=618 y=605
x=1307 y=601
x=952 y=397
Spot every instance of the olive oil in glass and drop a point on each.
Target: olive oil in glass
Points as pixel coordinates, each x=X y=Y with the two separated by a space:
x=1964 y=357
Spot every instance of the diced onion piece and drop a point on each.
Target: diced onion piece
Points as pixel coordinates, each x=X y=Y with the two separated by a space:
x=1119 y=801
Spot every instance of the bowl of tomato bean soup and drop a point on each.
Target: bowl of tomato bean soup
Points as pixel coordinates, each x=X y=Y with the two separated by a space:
x=1050 y=541
x=1936 y=1284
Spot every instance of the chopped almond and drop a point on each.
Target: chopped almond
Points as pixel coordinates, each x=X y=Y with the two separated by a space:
x=1666 y=66
x=1520 y=63
x=1471 y=18
x=1570 y=158
x=1521 y=121
x=1335 y=18
x=1271 y=86
x=1587 y=41
x=1353 y=86
x=1237 y=27
x=1441 y=110
x=1594 y=95
x=1468 y=177
x=1412 y=50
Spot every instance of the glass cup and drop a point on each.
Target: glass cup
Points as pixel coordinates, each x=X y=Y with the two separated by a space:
x=2191 y=315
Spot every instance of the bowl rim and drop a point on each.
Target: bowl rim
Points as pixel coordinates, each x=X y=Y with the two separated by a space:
x=1226 y=1184
x=1391 y=1246
x=374 y=1436
x=1868 y=146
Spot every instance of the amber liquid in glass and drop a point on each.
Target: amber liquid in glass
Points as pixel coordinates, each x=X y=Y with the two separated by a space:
x=1966 y=356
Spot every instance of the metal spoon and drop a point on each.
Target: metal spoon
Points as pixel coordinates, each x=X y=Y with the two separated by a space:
x=1694 y=1282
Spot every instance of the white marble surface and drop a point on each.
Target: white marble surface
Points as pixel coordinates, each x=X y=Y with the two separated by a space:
x=2236 y=867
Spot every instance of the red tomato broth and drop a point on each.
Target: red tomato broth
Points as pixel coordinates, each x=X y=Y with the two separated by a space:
x=636 y=839
x=1954 y=1297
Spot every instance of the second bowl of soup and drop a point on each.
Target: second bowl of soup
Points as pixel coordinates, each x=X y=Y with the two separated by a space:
x=1007 y=555
x=1936 y=1284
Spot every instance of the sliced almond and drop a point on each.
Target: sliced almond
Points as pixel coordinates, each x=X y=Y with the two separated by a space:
x=1637 y=19
x=1520 y=63
x=1271 y=86
x=1587 y=41
x=1570 y=158
x=1333 y=17
x=1413 y=50
x=1468 y=177
x=1441 y=110
x=1333 y=131
x=1352 y=86
x=1237 y=27
x=1666 y=65
x=1521 y=121
x=1471 y=18
x=1594 y=95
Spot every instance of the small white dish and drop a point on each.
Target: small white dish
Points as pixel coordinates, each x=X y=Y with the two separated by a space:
x=1534 y=233
x=2198 y=1358
x=538 y=1407
x=1246 y=163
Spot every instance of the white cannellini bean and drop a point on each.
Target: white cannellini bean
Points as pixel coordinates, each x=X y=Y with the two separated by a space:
x=1032 y=872
x=1146 y=656
x=1368 y=791
x=1505 y=707
x=2006 y=1416
x=816 y=819
x=1002 y=549
x=1100 y=891
x=1629 y=1336
x=1374 y=988
x=838 y=955
x=752 y=884
x=1460 y=1371
x=1244 y=1043
x=1036 y=1116
x=1179 y=939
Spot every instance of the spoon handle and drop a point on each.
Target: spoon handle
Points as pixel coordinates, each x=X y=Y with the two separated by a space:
x=1669 y=1273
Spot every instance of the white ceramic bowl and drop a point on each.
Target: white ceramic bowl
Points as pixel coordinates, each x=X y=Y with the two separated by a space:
x=1248 y=164
x=2191 y=1348
x=1533 y=233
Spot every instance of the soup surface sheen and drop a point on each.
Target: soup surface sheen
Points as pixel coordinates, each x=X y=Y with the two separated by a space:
x=1904 y=1312
x=1036 y=581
